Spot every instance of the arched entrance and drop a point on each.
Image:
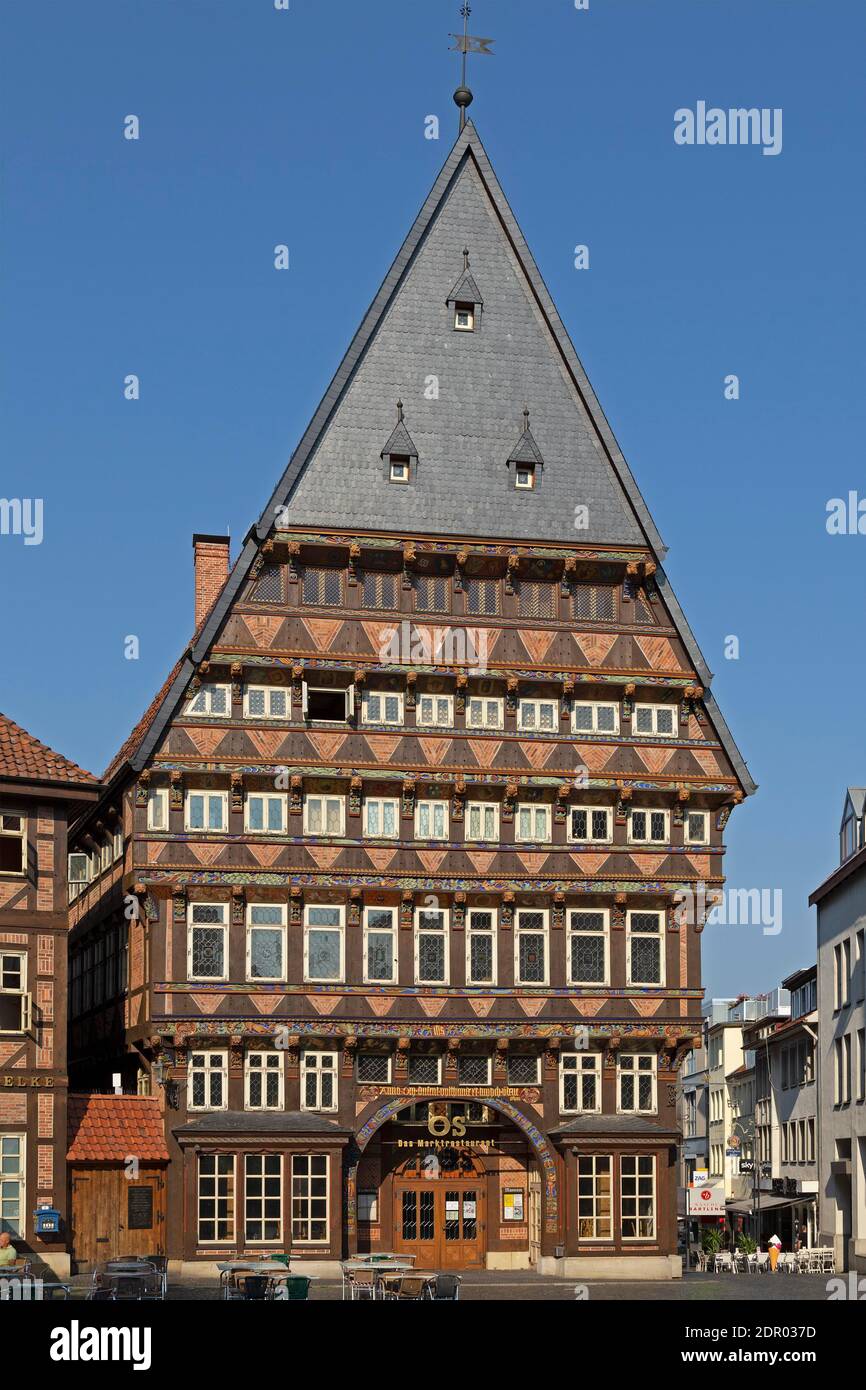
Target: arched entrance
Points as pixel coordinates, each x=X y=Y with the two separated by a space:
x=475 y=1190
x=439 y=1205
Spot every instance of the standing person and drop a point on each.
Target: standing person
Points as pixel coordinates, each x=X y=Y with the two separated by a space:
x=775 y=1246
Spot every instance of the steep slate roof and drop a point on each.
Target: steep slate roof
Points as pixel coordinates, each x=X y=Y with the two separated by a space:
x=25 y=757
x=858 y=800
x=521 y=351
x=107 y=1129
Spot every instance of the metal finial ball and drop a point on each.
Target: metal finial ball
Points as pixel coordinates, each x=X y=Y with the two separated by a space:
x=463 y=97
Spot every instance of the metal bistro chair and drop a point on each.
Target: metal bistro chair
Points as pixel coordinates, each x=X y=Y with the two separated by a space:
x=254 y=1288
x=410 y=1288
x=145 y=1287
x=828 y=1260
x=294 y=1289
x=445 y=1288
x=102 y=1295
x=361 y=1283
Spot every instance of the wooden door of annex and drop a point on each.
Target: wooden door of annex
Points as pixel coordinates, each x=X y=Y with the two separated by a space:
x=116 y=1214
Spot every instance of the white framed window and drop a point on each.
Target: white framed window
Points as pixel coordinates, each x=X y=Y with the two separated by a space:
x=590 y=824
x=374 y=1067
x=13 y=1184
x=106 y=854
x=266 y=702
x=310 y=1198
x=481 y=946
x=431 y=946
x=594 y=1197
x=207 y=1080
x=206 y=810
x=382 y=817
x=696 y=827
x=637 y=1195
x=434 y=711
x=580 y=1083
x=464 y=318
x=595 y=717
x=266 y=942
x=263 y=1080
x=485 y=712
x=431 y=820
x=15 y=1004
x=207 y=941
x=532 y=823
x=319 y=1073
x=524 y=476
x=324 y=815
x=216 y=1199
x=530 y=946
x=648 y=827
x=77 y=872
x=211 y=700
x=382 y=707
x=655 y=719
x=157 y=808
x=588 y=946
x=399 y=469
x=263 y=1199
x=636 y=1083
x=380 y=945
x=117 y=842
x=644 y=948
x=482 y=821
x=13 y=843
x=473 y=1069
x=265 y=813
x=327 y=704
x=538 y=715
x=324 y=946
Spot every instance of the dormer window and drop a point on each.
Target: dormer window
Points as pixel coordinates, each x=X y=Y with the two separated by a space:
x=464 y=318
x=465 y=300
x=399 y=470
x=525 y=458
x=524 y=477
x=399 y=456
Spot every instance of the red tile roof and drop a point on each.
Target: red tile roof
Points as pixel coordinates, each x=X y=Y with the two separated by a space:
x=22 y=755
x=108 y=1129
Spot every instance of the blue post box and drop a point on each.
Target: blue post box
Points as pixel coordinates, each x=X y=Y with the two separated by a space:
x=46 y=1221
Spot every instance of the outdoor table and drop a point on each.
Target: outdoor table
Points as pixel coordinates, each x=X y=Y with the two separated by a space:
x=380 y=1268
x=273 y=1269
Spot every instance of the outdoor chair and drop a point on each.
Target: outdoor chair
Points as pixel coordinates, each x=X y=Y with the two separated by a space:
x=290 y=1290
x=828 y=1261
x=102 y=1295
x=412 y=1288
x=55 y=1293
x=253 y=1287
x=361 y=1283
x=444 y=1289
x=160 y=1264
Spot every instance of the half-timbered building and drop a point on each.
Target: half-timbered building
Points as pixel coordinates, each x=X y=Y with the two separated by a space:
x=40 y=793
x=420 y=826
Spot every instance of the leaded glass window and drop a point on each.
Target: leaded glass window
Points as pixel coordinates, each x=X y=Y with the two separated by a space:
x=524 y=1068
x=266 y=941
x=432 y=593
x=473 y=1069
x=380 y=589
x=319 y=1080
x=266 y=702
x=264 y=1078
x=268 y=588
x=324 y=943
x=580 y=1082
x=589 y=823
x=380 y=945
x=531 y=947
x=538 y=715
x=655 y=719
x=484 y=713
x=648 y=827
x=210 y=699
x=480 y=947
x=324 y=815
x=382 y=817
x=435 y=711
x=207 y=1080
x=206 y=810
x=637 y=1082
x=431 y=961
x=207 y=941
x=374 y=1066
x=266 y=812
x=424 y=1068
x=538 y=600
x=431 y=820
x=645 y=948
x=323 y=587
x=593 y=603
x=595 y=717
x=587 y=948
x=382 y=707
x=697 y=828
x=483 y=596
x=532 y=824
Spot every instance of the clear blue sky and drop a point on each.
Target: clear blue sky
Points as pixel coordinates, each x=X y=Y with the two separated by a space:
x=257 y=127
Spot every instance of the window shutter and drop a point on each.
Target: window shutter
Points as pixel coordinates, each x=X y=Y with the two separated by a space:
x=26 y=1012
x=350 y=702
x=304 y=699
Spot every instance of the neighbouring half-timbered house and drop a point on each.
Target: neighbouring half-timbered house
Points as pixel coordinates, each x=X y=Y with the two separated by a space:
x=40 y=793
x=413 y=824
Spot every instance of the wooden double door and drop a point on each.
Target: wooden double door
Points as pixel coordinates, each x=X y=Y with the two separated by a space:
x=114 y=1214
x=440 y=1221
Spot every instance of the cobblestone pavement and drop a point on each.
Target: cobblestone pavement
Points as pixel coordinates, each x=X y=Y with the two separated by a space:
x=522 y=1286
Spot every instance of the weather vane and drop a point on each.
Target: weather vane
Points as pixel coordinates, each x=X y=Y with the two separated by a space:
x=467 y=43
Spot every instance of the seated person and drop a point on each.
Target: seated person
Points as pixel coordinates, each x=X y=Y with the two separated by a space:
x=8 y=1253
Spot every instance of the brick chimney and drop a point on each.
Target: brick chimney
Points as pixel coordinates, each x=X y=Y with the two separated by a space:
x=211 y=571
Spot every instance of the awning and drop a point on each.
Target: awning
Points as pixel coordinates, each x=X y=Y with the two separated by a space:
x=768 y=1203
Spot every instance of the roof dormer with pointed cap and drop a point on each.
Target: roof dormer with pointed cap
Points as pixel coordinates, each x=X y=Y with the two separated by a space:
x=466 y=290
x=526 y=452
x=400 y=443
